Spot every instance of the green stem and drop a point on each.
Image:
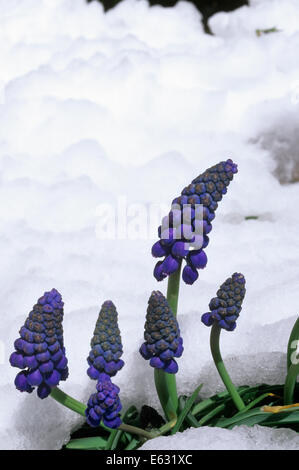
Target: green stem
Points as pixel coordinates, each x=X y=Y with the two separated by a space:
x=289 y=386
x=173 y=290
x=166 y=383
x=215 y=350
x=68 y=401
x=134 y=430
x=294 y=336
x=167 y=426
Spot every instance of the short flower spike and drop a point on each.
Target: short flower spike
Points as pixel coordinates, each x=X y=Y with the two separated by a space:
x=104 y=404
x=226 y=307
x=163 y=342
x=106 y=344
x=184 y=232
x=40 y=351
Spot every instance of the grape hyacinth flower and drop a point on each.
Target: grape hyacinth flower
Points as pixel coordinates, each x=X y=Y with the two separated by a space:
x=40 y=351
x=162 y=335
x=184 y=232
x=106 y=345
x=104 y=404
x=226 y=307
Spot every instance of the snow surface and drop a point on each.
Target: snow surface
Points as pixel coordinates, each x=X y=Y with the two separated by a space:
x=134 y=104
x=241 y=438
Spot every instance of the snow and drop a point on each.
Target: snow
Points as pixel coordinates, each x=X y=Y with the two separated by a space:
x=241 y=438
x=131 y=105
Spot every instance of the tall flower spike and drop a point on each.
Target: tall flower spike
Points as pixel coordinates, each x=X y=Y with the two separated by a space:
x=226 y=307
x=104 y=404
x=40 y=351
x=162 y=335
x=184 y=232
x=106 y=345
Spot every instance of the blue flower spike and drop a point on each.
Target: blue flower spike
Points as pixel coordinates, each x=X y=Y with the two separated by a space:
x=104 y=405
x=40 y=351
x=184 y=232
x=226 y=307
x=106 y=345
x=163 y=342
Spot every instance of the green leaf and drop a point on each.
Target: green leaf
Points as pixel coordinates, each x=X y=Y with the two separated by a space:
x=254 y=403
x=186 y=409
x=133 y=444
x=211 y=414
x=114 y=436
x=190 y=419
x=87 y=443
x=257 y=416
x=294 y=336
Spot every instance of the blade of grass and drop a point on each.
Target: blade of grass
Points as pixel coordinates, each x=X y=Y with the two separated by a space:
x=186 y=409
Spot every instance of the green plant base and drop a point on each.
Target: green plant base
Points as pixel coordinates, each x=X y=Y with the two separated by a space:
x=216 y=411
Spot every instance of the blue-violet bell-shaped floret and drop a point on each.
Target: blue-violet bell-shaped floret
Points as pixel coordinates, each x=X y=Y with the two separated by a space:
x=106 y=345
x=226 y=307
x=104 y=404
x=40 y=350
x=163 y=342
x=184 y=232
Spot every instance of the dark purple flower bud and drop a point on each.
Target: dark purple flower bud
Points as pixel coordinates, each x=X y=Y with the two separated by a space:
x=198 y=259
x=35 y=378
x=104 y=404
x=40 y=349
x=17 y=360
x=189 y=274
x=43 y=390
x=53 y=378
x=171 y=367
x=46 y=367
x=162 y=335
x=226 y=307
x=169 y=265
x=22 y=384
x=106 y=345
x=157 y=362
x=158 y=250
x=180 y=249
x=30 y=362
x=158 y=271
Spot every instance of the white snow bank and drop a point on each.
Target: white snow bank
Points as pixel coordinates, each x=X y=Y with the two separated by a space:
x=134 y=104
x=241 y=438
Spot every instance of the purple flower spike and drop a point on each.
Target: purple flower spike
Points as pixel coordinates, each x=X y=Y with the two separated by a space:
x=106 y=345
x=189 y=220
x=104 y=404
x=226 y=307
x=162 y=335
x=40 y=351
